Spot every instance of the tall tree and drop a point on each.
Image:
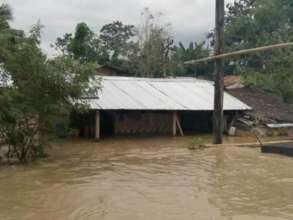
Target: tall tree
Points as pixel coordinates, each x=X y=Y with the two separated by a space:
x=155 y=44
x=8 y=36
x=81 y=44
x=5 y=16
x=84 y=45
x=116 y=38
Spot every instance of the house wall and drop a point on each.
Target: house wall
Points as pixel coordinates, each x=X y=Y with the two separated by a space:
x=136 y=122
x=113 y=123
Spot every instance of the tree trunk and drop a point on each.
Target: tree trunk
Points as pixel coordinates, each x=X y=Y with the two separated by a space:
x=219 y=72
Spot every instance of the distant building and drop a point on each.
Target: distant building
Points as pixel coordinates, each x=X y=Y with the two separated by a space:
x=107 y=70
x=268 y=108
x=129 y=105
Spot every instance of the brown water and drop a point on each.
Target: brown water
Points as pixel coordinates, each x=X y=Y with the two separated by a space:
x=144 y=179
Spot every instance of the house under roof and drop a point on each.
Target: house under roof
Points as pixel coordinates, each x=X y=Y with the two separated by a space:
x=172 y=94
x=267 y=107
x=129 y=105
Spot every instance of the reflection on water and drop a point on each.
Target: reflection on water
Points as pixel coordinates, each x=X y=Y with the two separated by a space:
x=148 y=179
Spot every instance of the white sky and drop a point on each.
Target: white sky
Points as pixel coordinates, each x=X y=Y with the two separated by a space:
x=191 y=19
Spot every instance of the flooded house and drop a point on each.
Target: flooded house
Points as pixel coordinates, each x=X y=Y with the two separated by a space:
x=156 y=106
x=270 y=113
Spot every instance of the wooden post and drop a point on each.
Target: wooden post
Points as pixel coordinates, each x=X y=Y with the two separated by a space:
x=219 y=72
x=179 y=125
x=174 y=124
x=97 y=132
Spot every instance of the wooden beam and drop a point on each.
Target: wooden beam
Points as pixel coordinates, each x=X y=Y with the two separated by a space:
x=179 y=125
x=218 y=121
x=174 y=124
x=240 y=52
x=97 y=130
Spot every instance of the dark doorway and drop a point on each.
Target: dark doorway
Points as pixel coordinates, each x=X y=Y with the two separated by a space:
x=107 y=123
x=196 y=122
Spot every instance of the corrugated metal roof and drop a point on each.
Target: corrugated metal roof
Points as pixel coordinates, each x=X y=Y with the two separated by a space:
x=130 y=93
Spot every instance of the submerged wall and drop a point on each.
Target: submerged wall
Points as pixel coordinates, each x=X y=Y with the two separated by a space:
x=136 y=122
x=113 y=123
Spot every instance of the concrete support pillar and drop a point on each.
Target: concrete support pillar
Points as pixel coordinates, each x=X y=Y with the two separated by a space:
x=97 y=130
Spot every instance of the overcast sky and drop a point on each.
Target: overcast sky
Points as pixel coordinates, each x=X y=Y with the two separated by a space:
x=191 y=19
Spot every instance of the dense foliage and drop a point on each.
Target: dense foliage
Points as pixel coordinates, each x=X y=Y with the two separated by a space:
x=84 y=45
x=147 y=49
x=35 y=91
x=253 y=23
x=193 y=51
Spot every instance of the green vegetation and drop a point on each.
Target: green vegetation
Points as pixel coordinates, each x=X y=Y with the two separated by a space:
x=147 y=49
x=193 y=51
x=83 y=45
x=253 y=23
x=197 y=143
x=38 y=90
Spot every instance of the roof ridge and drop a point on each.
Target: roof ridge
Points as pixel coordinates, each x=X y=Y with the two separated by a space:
x=171 y=79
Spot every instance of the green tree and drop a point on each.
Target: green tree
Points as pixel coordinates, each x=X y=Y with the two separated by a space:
x=83 y=45
x=253 y=23
x=8 y=36
x=193 y=51
x=40 y=92
x=116 y=38
x=151 y=56
x=5 y=16
x=63 y=44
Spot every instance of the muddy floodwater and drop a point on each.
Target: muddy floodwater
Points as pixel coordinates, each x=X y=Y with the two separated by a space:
x=148 y=179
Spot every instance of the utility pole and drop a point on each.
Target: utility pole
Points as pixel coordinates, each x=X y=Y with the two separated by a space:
x=219 y=56
x=218 y=117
